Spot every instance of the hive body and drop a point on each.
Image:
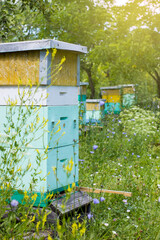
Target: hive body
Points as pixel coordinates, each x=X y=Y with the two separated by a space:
x=55 y=94
x=118 y=97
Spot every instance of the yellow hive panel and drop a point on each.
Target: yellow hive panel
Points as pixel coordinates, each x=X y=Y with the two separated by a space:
x=92 y=106
x=110 y=92
x=19 y=65
x=68 y=75
x=128 y=90
x=112 y=98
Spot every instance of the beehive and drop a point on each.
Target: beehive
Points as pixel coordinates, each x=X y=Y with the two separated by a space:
x=128 y=95
x=112 y=95
x=94 y=111
x=32 y=63
x=82 y=91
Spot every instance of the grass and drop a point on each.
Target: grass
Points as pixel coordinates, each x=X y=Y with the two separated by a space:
x=124 y=162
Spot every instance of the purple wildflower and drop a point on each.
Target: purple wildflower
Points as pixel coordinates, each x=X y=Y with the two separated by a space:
x=91 y=152
x=95 y=147
x=95 y=201
x=102 y=199
x=101 y=103
x=90 y=215
x=138 y=156
x=14 y=203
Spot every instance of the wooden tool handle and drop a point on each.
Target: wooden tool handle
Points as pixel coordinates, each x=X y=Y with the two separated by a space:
x=87 y=189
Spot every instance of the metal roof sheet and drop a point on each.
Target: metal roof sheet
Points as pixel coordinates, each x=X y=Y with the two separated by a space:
x=40 y=45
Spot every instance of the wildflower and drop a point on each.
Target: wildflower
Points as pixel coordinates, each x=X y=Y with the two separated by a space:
x=125 y=201
x=82 y=231
x=114 y=219
x=89 y=216
x=128 y=210
x=91 y=152
x=132 y=154
x=14 y=203
x=95 y=201
x=159 y=199
x=128 y=217
x=102 y=199
x=138 y=156
x=81 y=160
x=106 y=224
x=74 y=228
x=95 y=147
x=114 y=232
x=101 y=103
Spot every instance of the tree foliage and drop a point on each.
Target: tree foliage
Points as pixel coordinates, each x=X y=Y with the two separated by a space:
x=122 y=41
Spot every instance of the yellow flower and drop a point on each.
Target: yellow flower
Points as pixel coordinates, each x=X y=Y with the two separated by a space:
x=69 y=166
x=34 y=197
x=74 y=228
x=82 y=231
x=37 y=226
x=59 y=129
x=33 y=219
x=54 y=170
x=49 y=237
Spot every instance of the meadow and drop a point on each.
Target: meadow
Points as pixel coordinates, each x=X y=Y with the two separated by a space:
x=124 y=155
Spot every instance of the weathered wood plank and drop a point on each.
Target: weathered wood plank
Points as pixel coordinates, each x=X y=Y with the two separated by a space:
x=76 y=200
x=91 y=190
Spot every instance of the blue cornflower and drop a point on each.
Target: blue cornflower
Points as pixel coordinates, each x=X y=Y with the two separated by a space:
x=95 y=201
x=14 y=203
x=95 y=147
x=101 y=103
x=102 y=199
x=90 y=215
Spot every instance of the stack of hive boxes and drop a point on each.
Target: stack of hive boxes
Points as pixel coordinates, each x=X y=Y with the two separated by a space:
x=94 y=110
x=113 y=99
x=32 y=62
x=82 y=91
x=128 y=93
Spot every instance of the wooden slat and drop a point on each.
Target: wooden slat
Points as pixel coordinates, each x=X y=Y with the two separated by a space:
x=76 y=200
x=91 y=190
x=128 y=90
x=19 y=65
x=68 y=74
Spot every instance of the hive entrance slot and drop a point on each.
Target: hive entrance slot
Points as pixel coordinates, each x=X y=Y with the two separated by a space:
x=63 y=160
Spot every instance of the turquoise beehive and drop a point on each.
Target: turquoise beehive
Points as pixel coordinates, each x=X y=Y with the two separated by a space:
x=94 y=111
x=112 y=95
x=33 y=63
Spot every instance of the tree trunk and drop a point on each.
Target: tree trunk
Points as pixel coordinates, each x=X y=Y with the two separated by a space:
x=156 y=77
x=91 y=84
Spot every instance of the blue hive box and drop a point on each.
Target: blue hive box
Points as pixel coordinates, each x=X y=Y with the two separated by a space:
x=33 y=64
